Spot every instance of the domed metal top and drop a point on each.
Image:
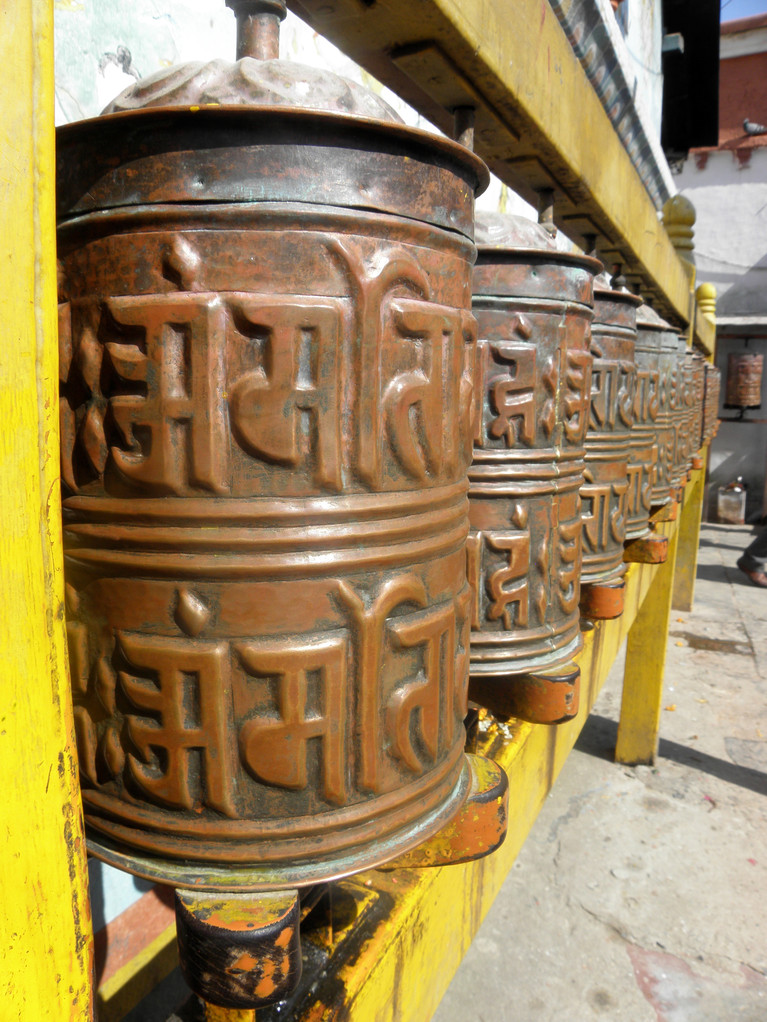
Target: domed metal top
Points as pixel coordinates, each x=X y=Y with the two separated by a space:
x=253 y=83
x=258 y=78
x=648 y=319
x=504 y=230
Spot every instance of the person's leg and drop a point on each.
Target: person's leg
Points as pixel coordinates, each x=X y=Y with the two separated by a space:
x=753 y=560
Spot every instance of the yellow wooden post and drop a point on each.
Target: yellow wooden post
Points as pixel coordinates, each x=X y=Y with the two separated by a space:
x=45 y=930
x=689 y=539
x=645 y=662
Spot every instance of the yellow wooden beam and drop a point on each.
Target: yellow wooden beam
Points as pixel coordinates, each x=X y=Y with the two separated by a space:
x=689 y=538
x=539 y=122
x=642 y=698
x=45 y=930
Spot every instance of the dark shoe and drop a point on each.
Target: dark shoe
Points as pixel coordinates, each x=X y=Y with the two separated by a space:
x=756 y=578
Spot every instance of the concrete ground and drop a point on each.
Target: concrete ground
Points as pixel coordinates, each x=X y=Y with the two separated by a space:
x=640 y=894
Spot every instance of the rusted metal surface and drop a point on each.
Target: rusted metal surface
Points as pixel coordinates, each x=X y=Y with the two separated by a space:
x=608 y=439
x=267 y=359
x=478 y=827
x=239 y=950
x=744 y=380
x=665 y=338
x=603 y=600
x=543 y=697
x=698 y=392
x=710 y=402
x=643 y=446
x=533 y=309
x=680 y=409
x=648 y=549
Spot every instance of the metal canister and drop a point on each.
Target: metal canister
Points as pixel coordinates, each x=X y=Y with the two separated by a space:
x=680 y=404
x=711 y=402
x=744 y=380
x=267 y=356
x=533 y=305
x=608 y=438
x=655 y=332
x=644 y=444
x=698 y=393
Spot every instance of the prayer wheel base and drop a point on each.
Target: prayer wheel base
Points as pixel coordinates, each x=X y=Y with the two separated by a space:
x=239 y=950
x=666 y=512
x=478 y=829
x=697 y=463
x=602 y=601
x=649 y=549
x=542 y=697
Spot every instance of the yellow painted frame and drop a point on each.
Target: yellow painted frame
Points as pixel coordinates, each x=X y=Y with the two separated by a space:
x=45 y=929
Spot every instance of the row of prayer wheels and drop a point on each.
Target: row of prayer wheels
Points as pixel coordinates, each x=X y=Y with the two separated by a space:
x=319 y=479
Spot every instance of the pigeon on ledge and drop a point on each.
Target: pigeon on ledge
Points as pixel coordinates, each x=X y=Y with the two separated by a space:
x=752 y=128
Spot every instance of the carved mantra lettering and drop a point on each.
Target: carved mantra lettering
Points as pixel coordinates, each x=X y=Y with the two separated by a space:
x=508 y=586
x=646 y=396
x=612 y=394
x=606 y=518
x=274 y=749
x=181 y=370
x=185 y=676
x=509 y=397
x=297 y=372
x=296 y=691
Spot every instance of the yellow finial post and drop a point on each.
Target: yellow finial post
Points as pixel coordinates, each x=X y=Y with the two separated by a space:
x=706 y=298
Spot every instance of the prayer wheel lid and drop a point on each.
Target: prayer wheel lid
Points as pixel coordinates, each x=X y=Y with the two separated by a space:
x=504 y=230
x=203 y=132
x=250 y=82
x=614 y=287
x=648 y=319
x=506 y=234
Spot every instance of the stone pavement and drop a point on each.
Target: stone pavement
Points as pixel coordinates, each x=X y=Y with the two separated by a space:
x=640 y=894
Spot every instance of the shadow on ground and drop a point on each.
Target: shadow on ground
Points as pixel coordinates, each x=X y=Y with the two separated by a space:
x=598 y=739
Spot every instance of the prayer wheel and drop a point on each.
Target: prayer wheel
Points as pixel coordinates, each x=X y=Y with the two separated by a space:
x=533 y=306
x=655 y=333
x=608 y=445
x=267 y=358
x=698 y=393
x=644 y=445
x=711 y=402
x=744 y=380
x=680 y=399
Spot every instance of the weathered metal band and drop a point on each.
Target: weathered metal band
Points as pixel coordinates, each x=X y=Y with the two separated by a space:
x=269 y=154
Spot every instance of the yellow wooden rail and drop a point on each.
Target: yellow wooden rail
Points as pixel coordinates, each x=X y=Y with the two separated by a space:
x=45 y=939
x=539 y=122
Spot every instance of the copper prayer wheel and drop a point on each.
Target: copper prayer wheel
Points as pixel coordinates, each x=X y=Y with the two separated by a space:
x=680 y=385
x=744 y=380
x=698 y=392
x=654 y=332
x=608 y=439
x=533 y=306
x=711 y=402
x=267 y=357
x=644 y=446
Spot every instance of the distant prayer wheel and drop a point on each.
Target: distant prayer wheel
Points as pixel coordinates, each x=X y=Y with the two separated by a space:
x=698 y=390
x=267 y=356
x=744 y=380
x=711 y=402
x=533 y=305
x=655 y=334
x=680 y=407
x=643 y=447
x=608 y=439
